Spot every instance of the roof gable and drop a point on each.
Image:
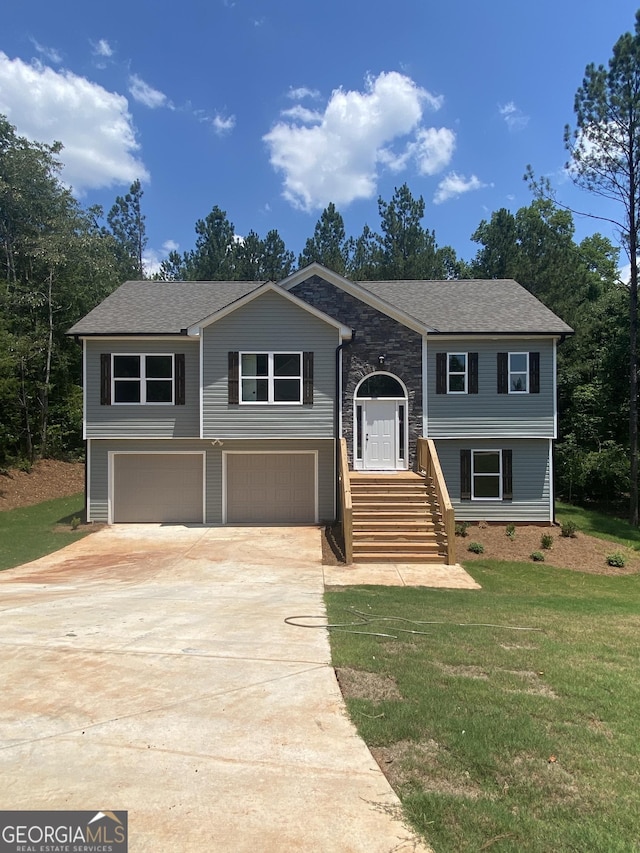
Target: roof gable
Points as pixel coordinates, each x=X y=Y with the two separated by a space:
x=268 y=287
x=354 y=289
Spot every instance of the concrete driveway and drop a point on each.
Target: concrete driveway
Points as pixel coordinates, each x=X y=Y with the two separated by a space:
x=150 y=669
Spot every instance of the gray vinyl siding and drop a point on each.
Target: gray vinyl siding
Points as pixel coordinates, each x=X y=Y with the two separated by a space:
x=531 y=482
x=98 y=474
x=269 y=323
x=488 y=413
x=148 y=421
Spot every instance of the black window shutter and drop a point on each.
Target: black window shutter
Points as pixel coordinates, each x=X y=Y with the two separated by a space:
x=307 y=378
x=105 y=379
x=503 y=373
x=180 y=379
x=507 y=476
x=233 y=386
x=465 y=475
x=441 y=373
x=534 y=372
x=473 y=372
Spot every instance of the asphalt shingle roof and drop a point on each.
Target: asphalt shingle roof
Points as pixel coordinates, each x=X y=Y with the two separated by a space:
x=500 y=306
x=159 y=307
x=479 y=306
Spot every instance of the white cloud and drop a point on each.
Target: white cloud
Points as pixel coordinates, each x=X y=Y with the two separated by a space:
x=223 y=125
x=432 y=151
x=302 y=114
x=302 y=92
x=102 y=48
x=49 y=53
x=152 y=258
x=453 y=185
x=146 y=95
x=93 y=124
x=337 y=159
x=514 y=117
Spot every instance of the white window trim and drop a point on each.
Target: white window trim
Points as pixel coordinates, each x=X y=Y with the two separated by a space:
x=450 y=373
x=510 y=372
x=271 y=378
x=142 y=379
x=498 y=474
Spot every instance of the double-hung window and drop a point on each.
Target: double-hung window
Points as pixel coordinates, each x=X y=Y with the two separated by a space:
x=518 y=372
x=271 y=377
x=142 y=379
x=457 y=373
x=486 y=475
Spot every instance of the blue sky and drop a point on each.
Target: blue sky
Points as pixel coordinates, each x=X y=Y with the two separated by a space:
x=272 y=109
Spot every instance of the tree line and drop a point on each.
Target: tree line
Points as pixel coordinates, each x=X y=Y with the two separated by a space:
x=60 y=259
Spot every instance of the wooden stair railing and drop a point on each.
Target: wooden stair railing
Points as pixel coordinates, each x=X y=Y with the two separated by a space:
x=427 y=461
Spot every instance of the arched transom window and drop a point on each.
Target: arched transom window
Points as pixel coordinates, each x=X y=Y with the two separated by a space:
x=381 y=385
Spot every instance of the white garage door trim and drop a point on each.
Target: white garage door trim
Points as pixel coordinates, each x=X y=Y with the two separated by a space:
x=111 y=473
x=227 y=453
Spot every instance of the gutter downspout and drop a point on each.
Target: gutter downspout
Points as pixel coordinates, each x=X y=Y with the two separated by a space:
x=336 y=414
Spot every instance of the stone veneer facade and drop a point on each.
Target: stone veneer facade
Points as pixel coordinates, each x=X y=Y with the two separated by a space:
x=376 y=334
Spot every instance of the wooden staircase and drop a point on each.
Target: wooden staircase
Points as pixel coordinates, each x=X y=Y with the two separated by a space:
x=396 y=519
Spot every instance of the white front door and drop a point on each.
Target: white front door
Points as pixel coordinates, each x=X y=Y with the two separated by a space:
x=380 y=418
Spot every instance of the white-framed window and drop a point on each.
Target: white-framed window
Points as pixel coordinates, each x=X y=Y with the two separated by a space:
x=486 y=475
x=271 y=377
x=457 y=372
x=518 y=372
x=142 y=379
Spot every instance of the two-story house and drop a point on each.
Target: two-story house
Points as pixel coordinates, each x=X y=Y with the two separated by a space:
x=228 y=402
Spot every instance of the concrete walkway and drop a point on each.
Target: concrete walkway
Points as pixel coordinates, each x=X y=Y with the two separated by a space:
x=149 y=668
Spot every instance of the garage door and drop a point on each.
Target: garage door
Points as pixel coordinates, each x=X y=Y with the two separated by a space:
x=271 y=488
x=157 y=487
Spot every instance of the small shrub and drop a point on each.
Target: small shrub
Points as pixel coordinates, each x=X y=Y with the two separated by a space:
x=537 y=557
x=476 y=548
x=511 y=531
x=546 y=541
x=568 y=529
x=617 y=559
x=461 y=528
x=75 y=522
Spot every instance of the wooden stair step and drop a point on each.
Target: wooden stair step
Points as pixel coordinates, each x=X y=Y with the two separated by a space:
x=395 y=524
x=372 y=546
x=398 y=557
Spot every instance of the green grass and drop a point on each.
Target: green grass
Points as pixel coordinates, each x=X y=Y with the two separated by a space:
x=482 y=710
x=30 y=532
x=601 y=526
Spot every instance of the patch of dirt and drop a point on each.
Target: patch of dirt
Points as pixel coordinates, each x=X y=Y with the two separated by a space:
x=358 y=684
x=582 y=553
x=406 y=762
x=332 y=545
x=48 y=479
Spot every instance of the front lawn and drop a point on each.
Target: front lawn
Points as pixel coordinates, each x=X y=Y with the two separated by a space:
x=497 y=737
x=597 y=524
x=30 y=532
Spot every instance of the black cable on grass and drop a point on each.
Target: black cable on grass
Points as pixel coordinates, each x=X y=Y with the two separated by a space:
x=368 y=618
